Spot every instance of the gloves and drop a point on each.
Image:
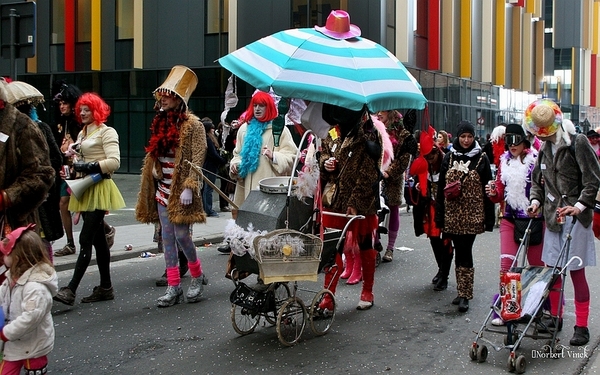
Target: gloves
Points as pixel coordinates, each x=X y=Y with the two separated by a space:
x=87 y=168
x=596 y=220
x=186 y=197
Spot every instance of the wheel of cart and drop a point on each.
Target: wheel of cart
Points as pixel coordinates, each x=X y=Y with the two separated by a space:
x=286 y=255
x=249 y=305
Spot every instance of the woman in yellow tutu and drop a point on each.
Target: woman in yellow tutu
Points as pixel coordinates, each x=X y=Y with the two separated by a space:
x=97 y=150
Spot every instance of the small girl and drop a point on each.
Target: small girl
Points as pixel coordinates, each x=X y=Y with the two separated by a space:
x=26 y=299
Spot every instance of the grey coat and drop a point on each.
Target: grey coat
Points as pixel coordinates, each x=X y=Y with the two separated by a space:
x=573 y=171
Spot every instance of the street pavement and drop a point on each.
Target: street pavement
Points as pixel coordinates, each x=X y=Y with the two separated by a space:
x=410 y=330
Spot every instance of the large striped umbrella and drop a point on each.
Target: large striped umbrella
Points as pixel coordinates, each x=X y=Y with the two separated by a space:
x=305 y=64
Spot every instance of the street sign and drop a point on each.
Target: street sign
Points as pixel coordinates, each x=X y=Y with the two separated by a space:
x=481 y=121
x=23 y=15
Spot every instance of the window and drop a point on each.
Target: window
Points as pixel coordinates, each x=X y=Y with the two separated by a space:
x=84 y=21
x=124 y=14
x=217 y=12
x=58 y=21
x=307 y=13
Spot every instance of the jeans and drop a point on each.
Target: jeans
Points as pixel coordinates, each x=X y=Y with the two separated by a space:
x=207 y=195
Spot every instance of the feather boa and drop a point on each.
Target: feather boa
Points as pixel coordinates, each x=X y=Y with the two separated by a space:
x=515 y=175
x=165 y=132
x=308 y=177
x=388 y=148
x=250 y=153
x=240 y=240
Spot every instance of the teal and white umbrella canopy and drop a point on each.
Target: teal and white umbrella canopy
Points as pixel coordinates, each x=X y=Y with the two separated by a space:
x=305 y=64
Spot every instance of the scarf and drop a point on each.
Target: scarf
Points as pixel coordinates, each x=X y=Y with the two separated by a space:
x=471 y=151
x=250 y=153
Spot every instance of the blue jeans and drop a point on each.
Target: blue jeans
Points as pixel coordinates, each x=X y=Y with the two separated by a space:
x=207 y=195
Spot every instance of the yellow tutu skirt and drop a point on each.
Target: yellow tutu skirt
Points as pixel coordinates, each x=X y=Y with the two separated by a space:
x=104 y=195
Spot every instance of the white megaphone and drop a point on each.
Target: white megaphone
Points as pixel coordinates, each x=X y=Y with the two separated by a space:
x=79 y=186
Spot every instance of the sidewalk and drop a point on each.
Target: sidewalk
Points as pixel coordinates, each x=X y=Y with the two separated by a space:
x=139 y=236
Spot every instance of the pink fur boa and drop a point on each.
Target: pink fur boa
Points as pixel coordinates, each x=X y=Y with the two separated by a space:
x=388 y=148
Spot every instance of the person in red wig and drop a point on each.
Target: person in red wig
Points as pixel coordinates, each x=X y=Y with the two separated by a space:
x=255 y=155
x=97 y=152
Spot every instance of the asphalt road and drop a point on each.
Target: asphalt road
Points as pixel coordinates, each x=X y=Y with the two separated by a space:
x=410 y=330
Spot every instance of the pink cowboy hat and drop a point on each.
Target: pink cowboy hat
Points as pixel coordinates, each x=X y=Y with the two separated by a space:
x=338 y=26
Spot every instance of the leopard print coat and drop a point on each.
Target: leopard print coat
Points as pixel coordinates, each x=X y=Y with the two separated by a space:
x=472 y=212
x=405 y=147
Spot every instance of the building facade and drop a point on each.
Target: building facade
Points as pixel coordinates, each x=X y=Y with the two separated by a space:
x=478 y=60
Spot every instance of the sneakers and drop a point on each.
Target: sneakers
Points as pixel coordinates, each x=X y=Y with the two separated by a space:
x=69 y=249
x=225 y=209
x=110 y=237
x=498 y=322
x=99 y=294
x=65 y=295
x=389 y=256
x=173 y=295
x=581 y=336
x=194 y=292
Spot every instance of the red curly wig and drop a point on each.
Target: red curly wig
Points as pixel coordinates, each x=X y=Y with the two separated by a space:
x=100 y=110
x=265 y=99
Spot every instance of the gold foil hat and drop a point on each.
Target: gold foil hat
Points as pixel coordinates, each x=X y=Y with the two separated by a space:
x=181 y=81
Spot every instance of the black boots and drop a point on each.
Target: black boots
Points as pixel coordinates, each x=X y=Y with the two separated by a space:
x=441 y=284
x=581 y=336
x=442 y=250
x=465 y=277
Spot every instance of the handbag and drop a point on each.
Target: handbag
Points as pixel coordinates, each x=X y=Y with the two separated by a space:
x=251 y=299
x=536 y=235
x=453 y=190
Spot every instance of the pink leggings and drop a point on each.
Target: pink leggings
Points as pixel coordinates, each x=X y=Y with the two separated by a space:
x=508 y=248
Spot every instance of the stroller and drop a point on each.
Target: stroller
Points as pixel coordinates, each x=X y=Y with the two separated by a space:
x=525 y=292
x=282 y=257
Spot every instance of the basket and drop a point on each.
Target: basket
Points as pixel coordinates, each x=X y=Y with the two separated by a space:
x=287 y=255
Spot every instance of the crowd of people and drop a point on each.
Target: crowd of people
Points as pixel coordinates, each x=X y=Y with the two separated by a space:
x=539 y=172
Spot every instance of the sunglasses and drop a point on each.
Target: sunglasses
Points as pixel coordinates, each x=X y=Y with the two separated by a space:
x=513 y=139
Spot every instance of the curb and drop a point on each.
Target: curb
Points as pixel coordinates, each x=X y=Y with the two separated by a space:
x=116 y=256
